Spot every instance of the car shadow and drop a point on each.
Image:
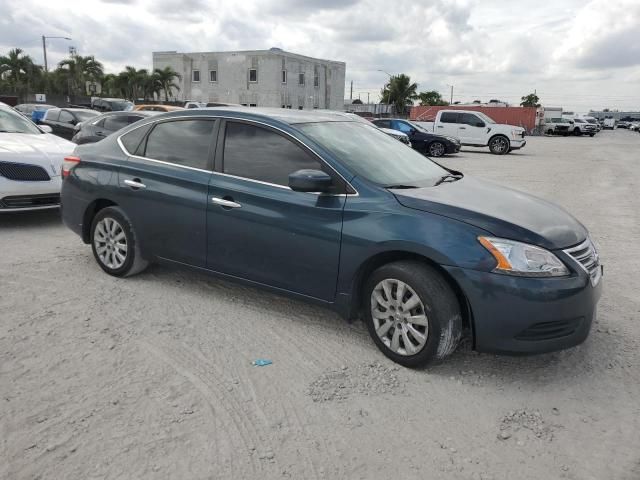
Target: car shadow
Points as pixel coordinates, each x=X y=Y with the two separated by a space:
x=30 y=219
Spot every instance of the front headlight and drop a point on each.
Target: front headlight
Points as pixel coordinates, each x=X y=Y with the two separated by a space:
x=516 y=258
x=515 y=133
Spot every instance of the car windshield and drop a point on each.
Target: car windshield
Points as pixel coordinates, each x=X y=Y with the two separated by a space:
x=374 y=155
x=484 y=117
x=11 y=122
x=84 y=115
x=122 y=106
x=577 y=120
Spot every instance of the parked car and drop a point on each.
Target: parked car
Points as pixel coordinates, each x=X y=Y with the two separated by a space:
x=558 y=126
x=156 y=108
x=421 y=139
x=111 y=104
x=623 y=124
x=64 y=120
x=476 y=129
x=97 y=128
x=609 y=123
x=331 y=210
x=30 y=162
x=581 y=126
x=633 y=126
x=403 y=137
x=192 y=104
x=593 y=121
x=34 y=111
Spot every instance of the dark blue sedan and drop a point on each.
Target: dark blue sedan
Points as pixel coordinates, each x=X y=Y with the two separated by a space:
x=332 y=210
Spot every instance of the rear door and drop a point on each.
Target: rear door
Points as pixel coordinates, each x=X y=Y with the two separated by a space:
x=261 y=230
x=163 y=186
x=447 y=124
x=471 y=129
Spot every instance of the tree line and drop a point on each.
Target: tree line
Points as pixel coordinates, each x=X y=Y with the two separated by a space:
x=20 y=75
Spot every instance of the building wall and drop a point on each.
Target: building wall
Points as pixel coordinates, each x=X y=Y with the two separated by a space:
x=233 y=85
x=524 y=117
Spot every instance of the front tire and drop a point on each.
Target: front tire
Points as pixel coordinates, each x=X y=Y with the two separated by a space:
x=114 y=243
x=577 y=132
x=499 y=145
x=436 y=149
x=412 y=313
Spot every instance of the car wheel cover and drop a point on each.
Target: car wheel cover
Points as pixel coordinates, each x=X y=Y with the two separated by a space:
x=110 y=243
x=500 y=145
x=436 y=149
x=399 y=317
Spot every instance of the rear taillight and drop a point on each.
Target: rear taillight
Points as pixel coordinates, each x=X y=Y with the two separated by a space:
x=68 y=164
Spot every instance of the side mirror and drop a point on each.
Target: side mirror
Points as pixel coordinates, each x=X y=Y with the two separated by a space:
x=310 y=181
x=45 y=128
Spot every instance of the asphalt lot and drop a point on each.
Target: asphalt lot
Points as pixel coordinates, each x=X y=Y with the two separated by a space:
x=151 y=377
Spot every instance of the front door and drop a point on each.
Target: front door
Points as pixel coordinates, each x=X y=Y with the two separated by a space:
x=163 y=188
x=471 y=129
x=258 y=228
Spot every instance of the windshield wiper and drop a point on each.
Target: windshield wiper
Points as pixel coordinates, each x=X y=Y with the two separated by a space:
x=449 y=177
x=400 y=186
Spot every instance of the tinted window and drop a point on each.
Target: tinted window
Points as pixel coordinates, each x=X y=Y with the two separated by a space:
x=84 y=115
x=449 y=117
x=131 y=140
x=196 y=75
x=469 y=119
x=184 y=142
x=383 y=123
x=65 y=117
x=260 y=154
x=116 y=122
x=253 y=75
x=401 y=126
x=52 y=115
x=134 y=118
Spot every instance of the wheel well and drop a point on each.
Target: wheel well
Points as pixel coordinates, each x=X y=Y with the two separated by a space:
x=393 y=256
x=498 y=135
x=89 y=214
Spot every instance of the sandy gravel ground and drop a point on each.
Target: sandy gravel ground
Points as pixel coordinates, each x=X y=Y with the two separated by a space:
x=151 y=377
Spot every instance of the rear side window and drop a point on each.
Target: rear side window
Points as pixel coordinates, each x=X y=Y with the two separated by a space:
x=52 y=115
x=261 y=154
x=449 y=117
x=114 y=123
x=65 y=117
x=133 y=139
x=183 y=142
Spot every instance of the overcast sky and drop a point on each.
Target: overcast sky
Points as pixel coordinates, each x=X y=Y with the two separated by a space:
x=579 y=54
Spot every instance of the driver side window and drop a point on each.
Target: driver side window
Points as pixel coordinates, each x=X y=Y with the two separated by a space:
x=470 y=119
x=402 y=126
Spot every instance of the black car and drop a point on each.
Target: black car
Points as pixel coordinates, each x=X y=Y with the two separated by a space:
x=112 y=104
x=422 y=140
x=63 y=121
x=95 y=129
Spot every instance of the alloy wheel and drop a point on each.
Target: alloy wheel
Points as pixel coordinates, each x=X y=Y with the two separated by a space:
x=399 y=317
x=110 y=242
x=436 y=149
x=500 y=145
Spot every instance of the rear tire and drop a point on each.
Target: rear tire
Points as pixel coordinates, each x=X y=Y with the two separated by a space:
x=411 y=312
x=114 y=243
x=499 y=145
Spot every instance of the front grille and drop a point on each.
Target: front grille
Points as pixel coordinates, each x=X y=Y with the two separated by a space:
x=550 y=330
x=587 y=257
x=26 y=201
x=23 y=172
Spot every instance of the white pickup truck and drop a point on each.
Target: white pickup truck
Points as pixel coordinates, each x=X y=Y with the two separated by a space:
x=476 y=129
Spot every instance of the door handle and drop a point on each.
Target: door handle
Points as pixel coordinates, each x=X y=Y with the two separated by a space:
x=135 y=183
x=225 y=203
x=462 y=128
x=440 y=126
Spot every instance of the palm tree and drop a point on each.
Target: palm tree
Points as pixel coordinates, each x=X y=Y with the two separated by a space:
x=79 y=70
x=400 y=92
x=17 y=67
x=166 y=77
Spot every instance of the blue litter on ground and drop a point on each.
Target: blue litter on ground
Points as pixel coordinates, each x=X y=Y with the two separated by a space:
x=261 y=362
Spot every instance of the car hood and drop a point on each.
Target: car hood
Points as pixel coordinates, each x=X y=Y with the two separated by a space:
x=501 y=211
x=44 y=150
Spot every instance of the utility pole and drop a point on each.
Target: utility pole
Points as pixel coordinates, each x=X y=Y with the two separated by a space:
x=44 y=49
x=367 y=98
x=451 y=101
x=351 y=92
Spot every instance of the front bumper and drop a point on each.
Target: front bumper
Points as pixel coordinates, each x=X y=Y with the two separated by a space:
x=518 y=315
x=517 y=143
x=17 y=196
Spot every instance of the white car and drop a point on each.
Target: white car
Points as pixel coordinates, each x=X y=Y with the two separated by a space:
x=397 y=134
x=30 y=164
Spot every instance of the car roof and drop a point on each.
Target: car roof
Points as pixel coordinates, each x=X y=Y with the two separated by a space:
x=143 y=113
x=284 y=115
x=170 y=108
x=112 y=99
